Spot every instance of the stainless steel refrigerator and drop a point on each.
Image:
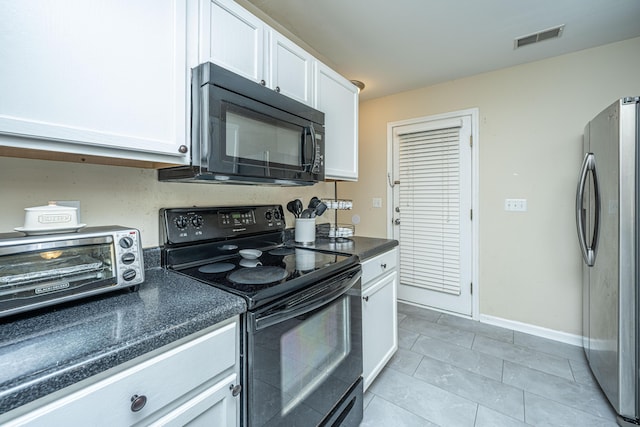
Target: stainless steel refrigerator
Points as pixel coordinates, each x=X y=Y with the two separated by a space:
x=607 y=217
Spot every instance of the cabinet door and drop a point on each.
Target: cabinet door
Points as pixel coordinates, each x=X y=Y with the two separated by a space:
x=337 y=97
x=291 y=68
x=233 y=38
x=379 y=325
x=81 y=74
x=216 y=406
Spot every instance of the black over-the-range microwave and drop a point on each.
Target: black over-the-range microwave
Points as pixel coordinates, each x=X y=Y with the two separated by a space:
x=245 y=133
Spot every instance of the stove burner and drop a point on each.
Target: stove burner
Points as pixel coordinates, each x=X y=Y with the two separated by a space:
x=260 y=275
x=218 y=267
x=282 y=251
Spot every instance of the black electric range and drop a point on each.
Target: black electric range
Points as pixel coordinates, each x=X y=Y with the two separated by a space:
x=301 y=338
x=207 y=244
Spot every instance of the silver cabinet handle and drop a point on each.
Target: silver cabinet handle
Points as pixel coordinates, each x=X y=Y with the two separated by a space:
x=383 y=266
x=138 y=402
x=278 y=89
x=588 y=249
x=263 y=83
x=235 y=389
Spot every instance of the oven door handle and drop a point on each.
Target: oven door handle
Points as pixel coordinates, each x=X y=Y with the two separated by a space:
x=306 y=305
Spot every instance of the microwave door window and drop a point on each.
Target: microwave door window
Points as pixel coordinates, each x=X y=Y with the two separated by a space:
x=266 y=143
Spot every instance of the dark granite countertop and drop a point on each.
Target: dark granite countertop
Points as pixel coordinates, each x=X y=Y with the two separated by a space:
x=363 y=247
x=47 y=350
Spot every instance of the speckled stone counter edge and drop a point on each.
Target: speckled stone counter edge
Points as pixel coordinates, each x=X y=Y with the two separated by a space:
x=14 y=394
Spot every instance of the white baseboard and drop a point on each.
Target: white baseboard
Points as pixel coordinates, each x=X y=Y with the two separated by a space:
x=532 y=329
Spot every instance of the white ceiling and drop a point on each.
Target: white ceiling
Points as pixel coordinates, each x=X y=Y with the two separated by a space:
x=399 y=45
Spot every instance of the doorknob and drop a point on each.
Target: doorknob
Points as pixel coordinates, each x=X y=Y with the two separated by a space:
x=397 y=221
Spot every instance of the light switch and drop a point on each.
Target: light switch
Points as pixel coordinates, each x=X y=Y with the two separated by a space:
x=515 y=205
x=377 y=202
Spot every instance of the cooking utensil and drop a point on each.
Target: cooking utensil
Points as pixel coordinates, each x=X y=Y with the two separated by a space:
x=314 y=202
x=320 y=208
x=291 y=207
x=298 y=207
x=307 y=213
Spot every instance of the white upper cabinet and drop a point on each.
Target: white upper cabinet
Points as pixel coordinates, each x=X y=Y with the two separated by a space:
x=337 y=97
x=233 y=38
x=95 y=77
x=291 y=68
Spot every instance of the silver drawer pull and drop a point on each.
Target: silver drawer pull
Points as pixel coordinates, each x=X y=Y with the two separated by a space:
x=383 y=266
x=138 y=402
x=235 y=389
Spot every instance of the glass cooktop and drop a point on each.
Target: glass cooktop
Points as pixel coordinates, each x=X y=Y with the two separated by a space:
x=278 y=271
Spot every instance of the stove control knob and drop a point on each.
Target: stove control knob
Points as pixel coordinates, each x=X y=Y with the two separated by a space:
x=197 y=221
x=126 y=242
x=129 y=275
x=181 y=222
x=276 y=214
x=268 y=215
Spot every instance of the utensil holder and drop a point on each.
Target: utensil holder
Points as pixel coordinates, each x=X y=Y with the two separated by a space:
x=305 y=232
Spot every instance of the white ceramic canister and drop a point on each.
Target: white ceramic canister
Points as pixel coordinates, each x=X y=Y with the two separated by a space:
x=50 y=216
x=305 y=233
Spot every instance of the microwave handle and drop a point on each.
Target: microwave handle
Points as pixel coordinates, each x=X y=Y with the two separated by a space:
x=314 y=144
x=314 y=148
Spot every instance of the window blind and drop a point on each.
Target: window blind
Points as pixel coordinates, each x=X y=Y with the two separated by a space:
x=429 y=199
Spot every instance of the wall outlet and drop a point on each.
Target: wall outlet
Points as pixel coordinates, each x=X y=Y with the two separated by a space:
x=377 y=202
x=515 y=205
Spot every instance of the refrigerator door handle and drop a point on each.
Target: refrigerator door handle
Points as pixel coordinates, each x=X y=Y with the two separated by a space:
x=588 y=250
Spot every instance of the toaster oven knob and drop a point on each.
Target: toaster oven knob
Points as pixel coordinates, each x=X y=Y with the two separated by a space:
x=126 y=242
x=128 y=258
x=268 y=215
x=129 y=275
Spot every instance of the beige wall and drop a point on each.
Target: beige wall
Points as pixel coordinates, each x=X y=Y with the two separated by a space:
x=112 y=195
x=531 y=122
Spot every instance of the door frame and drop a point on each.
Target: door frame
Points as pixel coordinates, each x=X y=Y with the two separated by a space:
x=475 y=186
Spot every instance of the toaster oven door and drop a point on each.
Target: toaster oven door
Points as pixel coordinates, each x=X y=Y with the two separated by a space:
x=33 y=274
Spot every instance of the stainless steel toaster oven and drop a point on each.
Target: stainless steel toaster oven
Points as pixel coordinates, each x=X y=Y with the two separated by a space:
x=42 y=270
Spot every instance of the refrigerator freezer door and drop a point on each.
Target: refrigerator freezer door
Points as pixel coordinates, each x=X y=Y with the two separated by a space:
x=611 y=298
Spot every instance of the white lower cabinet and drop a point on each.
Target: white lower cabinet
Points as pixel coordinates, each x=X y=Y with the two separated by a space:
x=379 y=313
x=194 y=383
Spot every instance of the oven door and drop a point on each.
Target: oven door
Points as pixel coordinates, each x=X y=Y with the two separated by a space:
x=245 y=137
x=304 y=357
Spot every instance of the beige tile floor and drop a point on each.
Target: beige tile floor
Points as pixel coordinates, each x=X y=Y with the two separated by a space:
x=450 y=371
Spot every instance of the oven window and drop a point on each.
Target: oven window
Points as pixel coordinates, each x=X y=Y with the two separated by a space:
x=299 y=368
x=262 y=142
x=39 y=273
x=312 y=351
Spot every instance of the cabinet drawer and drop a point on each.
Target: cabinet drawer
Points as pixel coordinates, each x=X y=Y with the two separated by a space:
x=161 y=379
x=377 y=266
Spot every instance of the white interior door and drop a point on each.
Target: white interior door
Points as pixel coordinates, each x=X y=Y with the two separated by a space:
x=432 y=218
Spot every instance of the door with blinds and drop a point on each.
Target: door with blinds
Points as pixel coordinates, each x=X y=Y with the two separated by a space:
x=432 y=212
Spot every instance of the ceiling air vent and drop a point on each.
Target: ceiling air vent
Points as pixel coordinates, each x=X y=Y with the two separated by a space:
x=551 y=33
